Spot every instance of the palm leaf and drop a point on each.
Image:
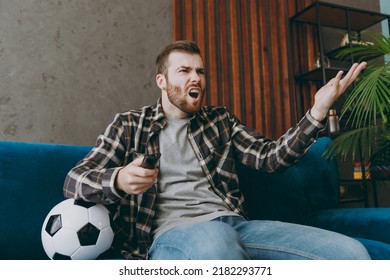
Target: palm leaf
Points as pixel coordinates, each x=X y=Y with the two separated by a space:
x=370 y=98
x=367 y=102
x=353 y=143
x=381 y=156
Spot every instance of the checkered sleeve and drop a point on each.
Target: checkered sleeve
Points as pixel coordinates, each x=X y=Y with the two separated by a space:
x=261 y=153
x=93 y=178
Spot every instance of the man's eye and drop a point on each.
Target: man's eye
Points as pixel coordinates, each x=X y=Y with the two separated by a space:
x=183 y=71
x=201 y=72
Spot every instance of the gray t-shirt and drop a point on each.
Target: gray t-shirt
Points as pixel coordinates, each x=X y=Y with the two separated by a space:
x=184 y=194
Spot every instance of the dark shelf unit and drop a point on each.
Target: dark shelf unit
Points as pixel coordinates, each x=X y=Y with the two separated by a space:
x=353 y=22
x=322 y=14
x=361 y=195
x=333 y=53
x=338 y=16
x=317 y=74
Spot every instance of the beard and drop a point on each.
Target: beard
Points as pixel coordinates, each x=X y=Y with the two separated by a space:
x=181 y=99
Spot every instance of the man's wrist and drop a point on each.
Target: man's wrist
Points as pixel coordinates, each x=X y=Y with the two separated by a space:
x=116 y=189
x=317 y=115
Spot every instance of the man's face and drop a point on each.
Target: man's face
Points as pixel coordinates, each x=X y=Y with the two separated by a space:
x=185 y=84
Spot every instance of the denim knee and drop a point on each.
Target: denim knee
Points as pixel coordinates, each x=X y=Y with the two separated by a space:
x=203 y=241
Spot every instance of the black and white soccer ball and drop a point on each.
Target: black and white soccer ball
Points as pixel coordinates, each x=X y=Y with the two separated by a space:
x=77 y=230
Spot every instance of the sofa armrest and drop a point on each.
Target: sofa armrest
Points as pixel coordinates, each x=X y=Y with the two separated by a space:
x=364 y=223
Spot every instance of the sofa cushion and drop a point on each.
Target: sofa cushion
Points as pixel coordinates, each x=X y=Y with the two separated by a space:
x=377 y=250
x=321 y=176
x=31 y=180
x=366 y=223
x=309 y=185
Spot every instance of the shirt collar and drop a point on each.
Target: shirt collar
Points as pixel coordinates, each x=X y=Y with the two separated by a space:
x=158 y=113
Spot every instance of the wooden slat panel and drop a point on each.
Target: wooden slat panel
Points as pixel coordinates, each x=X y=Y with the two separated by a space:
x=246 y=52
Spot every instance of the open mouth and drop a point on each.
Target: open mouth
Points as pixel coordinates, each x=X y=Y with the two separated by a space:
x=194 y=94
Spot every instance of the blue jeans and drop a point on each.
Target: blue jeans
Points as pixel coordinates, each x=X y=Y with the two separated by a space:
x=233 y=237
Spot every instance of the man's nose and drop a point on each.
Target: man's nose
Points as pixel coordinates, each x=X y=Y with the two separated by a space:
x=195 y=77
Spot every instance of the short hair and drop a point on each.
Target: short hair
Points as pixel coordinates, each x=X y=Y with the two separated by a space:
x=182 y=45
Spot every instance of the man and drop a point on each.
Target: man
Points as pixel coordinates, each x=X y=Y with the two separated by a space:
x=190 y=206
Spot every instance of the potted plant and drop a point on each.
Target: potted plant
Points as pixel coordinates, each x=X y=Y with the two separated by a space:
x=366 y=110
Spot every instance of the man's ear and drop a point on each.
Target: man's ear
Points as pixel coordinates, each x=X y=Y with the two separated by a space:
x=161 y=81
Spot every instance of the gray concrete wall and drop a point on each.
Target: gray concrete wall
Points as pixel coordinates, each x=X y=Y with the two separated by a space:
x=67 y=66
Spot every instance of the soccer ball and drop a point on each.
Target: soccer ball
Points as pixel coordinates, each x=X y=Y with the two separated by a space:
x=75 y=229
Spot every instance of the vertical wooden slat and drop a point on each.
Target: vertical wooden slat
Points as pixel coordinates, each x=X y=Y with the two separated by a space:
x=284 y=70
x=235 y=61
x=223 y=50
x=291 y=8
x=246 y=73
x=265 y=70
x=200 y=37
x=177 y=20
x=256 y=79
x=200 y=26
x=188 y=27
x=212 y=57
x=275 y=56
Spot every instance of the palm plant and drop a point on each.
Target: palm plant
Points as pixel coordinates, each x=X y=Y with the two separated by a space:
x=367 y=106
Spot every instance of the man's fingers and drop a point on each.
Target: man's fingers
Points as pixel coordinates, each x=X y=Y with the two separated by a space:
x=353 y=73
x=137 y=170
x=134 y=179
x=359 y=68
x=338 y=77
x=335 y=80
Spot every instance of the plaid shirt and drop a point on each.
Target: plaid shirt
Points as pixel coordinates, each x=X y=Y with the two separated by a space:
x=218 y=140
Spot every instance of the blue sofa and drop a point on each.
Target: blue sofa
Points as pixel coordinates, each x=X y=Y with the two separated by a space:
x=32 y=176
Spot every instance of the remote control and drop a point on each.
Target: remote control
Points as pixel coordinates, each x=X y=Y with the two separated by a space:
x=150 y=161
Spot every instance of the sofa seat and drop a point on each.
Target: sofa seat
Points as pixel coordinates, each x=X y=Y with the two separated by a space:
x=32 y=176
